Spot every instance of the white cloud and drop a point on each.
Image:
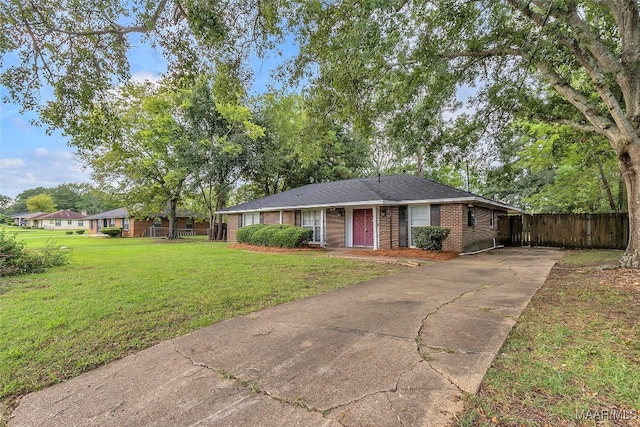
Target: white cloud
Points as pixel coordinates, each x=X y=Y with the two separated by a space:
x=40 y=168
x=11 y=163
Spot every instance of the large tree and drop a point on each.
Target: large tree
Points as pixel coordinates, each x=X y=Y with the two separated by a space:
x=137 y=147
x=588 y=52
x=368 y=57
x=224 y=137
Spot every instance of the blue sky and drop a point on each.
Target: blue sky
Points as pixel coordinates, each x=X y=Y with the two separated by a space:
x=30 y=158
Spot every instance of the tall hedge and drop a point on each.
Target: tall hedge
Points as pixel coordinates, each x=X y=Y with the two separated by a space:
x=281 y=235
x=430 y=238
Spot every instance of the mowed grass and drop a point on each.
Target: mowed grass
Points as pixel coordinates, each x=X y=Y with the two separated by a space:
x=573 y=358
x=120 y=295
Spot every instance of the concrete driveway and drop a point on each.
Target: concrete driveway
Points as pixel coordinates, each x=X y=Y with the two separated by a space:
x=398 y=350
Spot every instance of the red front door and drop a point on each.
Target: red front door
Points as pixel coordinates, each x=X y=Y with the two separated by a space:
x=363 y=227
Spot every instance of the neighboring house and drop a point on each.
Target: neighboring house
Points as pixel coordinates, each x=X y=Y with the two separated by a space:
x=155 y=227
x=26 y=219
x=377 y=213
x=60 y=220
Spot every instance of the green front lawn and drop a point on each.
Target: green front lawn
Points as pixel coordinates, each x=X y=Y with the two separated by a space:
x=120 y=295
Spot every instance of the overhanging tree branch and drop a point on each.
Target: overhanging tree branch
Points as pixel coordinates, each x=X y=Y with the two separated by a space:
x=603 y=125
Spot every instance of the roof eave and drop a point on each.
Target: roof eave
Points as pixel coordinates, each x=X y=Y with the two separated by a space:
x=374 y=203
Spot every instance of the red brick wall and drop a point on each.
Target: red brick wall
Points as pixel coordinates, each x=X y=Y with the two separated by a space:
x=481 y=235
x=453 y=217
x=233 y=220
x=271 y=217
x=465 y=238
x=388 y=227
x=288 y=217
x=335 y=228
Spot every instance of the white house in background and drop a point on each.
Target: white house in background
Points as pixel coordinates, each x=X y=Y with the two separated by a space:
x=61 y=220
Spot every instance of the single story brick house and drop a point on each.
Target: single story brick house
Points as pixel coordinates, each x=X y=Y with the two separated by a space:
x=149 y=227
x=377 y=213
x=59 y=220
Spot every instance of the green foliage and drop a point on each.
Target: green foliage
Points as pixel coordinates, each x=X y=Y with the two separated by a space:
x=41 y=203
x=69 y=232
x=552 y=169
x=16 y=259
x=245 y=234
x=281 y=235
x=430 y=238
x=112 y=231
x=80 y=231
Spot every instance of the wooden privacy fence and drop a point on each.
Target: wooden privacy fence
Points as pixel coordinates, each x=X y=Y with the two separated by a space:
x=607 y=231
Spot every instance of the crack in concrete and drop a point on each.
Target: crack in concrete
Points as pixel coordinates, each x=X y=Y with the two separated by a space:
x=386 y=393
x=420 y=344
x=246 y=385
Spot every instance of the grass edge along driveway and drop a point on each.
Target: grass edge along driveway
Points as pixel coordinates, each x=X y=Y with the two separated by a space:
x=573 y=358
x=118 y=296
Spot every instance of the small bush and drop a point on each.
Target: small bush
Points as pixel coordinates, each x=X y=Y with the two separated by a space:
x=112 y=231
x=16 y=259
x=68 y=232
x=80 y=231
x=430 y=238
x=281 y=235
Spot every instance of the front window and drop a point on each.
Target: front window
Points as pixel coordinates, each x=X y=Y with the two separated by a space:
x=313 y=221
x=69 y=222
x=250 y=218
x=125 y=224
x=188 y=223
x=58 y=223
x=157 y=222
x=81 y=223
x=418 y=217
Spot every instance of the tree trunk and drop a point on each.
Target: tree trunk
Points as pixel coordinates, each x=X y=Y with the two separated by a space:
x=629 y=162
x=220 y=235
x=606 y=186
x=219 y=205
x=173 y=231
x=212 y=228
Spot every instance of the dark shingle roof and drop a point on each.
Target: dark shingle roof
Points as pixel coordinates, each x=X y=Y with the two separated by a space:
x=115 y=213
x=389 y=189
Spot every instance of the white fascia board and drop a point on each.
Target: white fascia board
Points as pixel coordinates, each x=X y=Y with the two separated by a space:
x=379 y=203
x=301 y=207
x=457 y=200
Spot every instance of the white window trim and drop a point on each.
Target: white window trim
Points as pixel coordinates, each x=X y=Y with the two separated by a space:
x=321 y=226
x=252 y=214
x=409 y=220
